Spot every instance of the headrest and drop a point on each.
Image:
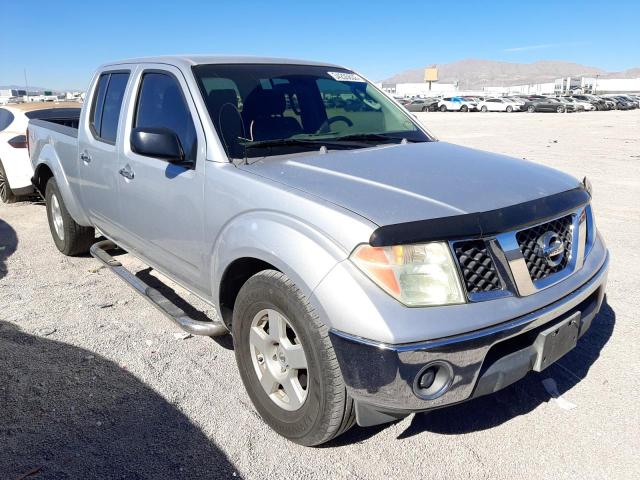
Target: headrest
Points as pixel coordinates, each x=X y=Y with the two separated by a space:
x=264 y=103
x=218 y=98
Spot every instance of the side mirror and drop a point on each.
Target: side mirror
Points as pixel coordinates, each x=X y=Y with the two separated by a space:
x=158 y=143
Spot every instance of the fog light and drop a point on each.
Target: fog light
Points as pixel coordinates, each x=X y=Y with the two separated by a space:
x=427 y=378
x=433 y=380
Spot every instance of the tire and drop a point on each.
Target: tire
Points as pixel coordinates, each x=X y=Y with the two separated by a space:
x=484 y=109
x=560 y=109
x=443 y=108
x=464 y=108
x=425 y=109
x=531 y=109
x=6 y=194
x=327 y=410
x=509 y=109
x=70 y=238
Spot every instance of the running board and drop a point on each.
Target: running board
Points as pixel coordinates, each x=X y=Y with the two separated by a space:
x=100 y=250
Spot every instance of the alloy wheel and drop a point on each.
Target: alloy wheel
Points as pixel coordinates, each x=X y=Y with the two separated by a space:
x=56 y=217
x=278 y=359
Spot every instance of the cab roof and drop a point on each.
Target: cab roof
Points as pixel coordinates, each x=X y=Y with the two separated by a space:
x=187 y=61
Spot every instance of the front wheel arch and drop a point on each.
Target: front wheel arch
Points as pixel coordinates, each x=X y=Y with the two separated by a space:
x=234 y=277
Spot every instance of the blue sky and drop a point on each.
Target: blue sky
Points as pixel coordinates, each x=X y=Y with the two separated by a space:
x=60 y=43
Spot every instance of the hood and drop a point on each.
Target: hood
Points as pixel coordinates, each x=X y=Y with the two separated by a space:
x=419 y=181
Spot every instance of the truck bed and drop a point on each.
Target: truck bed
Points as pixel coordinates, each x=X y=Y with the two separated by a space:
x=62 y=120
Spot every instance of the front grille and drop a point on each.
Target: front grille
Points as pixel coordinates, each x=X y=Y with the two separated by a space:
x=527 y=239
x=478 y=269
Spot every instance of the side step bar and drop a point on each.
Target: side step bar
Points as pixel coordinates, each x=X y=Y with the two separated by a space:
x=100 y=250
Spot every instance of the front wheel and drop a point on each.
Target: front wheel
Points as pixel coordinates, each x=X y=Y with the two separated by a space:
x=484 y=109
x=509 y=109
x=70 y=237
x=560 y=109
x=6 y=194
x=287 y=362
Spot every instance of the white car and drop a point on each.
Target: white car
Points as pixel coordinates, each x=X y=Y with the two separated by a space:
x=15 y=167
x=498 y=105
x=588 y=106
x=456 y=104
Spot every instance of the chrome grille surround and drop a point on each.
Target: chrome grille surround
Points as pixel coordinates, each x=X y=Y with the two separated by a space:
x=511 y=266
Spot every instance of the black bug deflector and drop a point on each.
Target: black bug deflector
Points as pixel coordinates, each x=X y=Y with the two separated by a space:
x=100 y=250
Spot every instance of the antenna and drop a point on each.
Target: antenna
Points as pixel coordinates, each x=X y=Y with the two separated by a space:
x=26 y=84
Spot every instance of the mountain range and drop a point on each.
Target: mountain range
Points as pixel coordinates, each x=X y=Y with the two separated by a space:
x=477 y=73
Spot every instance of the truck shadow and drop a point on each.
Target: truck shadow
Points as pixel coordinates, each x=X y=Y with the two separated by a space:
x=8 y=245
x=69 y=413
x=518 y=399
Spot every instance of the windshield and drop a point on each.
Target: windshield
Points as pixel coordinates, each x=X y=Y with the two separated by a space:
x=263 y=110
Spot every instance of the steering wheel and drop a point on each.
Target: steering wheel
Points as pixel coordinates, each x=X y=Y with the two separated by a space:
x=324 y=128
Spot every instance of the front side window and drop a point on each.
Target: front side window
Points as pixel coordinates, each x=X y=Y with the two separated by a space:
x=262 y=110
x=105 y=111
x=161 y=104
x=6 y=117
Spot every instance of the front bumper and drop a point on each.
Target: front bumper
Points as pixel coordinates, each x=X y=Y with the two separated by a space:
x=382 y=378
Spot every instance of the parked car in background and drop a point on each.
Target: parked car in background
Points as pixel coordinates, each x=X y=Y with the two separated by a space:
x=516 y=100
x=498 y=105
x=570 y=106
x=586 y=105
x=361 y=284
x=15 y=167
x=544 y=104
x=456 y=104
x=598 y=103
x=422 y=105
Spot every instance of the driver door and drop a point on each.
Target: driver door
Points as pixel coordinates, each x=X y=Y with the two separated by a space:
x=162 y=203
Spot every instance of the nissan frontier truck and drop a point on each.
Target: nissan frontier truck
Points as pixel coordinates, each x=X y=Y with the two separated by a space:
x=365 y=270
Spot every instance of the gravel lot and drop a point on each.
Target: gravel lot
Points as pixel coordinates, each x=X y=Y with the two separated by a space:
x=94 y=383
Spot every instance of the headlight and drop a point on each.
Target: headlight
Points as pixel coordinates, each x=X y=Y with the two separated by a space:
x=416 y=275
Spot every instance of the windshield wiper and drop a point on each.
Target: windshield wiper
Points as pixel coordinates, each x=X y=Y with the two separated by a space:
x=373 y=137
x=290 y=142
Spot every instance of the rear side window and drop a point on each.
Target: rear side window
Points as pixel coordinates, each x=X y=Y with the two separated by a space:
x=6 y=117
x=107 y=103
x=161 y=104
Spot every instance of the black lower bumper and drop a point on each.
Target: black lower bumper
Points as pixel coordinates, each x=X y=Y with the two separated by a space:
x=384 y=380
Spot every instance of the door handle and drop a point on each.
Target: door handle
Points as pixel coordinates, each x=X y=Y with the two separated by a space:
x=126 y=172
x=85 y=157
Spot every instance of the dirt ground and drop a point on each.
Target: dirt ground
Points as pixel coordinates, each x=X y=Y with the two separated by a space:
x=94 y=382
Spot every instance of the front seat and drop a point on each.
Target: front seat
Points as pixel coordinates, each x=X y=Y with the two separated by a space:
x=264 y=116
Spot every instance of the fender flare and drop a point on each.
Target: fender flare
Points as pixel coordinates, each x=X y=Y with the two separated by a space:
x=298 y=250
x=48 y=156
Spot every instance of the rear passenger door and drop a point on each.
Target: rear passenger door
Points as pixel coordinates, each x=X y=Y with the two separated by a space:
x=163 y=203
x=98 y=142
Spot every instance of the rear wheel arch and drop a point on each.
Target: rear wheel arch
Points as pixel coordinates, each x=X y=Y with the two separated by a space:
x=41 y=176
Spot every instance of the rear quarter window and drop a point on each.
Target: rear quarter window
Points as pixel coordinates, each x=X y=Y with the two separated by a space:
x=6 y=117
x=107 y=103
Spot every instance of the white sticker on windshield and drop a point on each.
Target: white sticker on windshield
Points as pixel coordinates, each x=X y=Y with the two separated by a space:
x=346 y=77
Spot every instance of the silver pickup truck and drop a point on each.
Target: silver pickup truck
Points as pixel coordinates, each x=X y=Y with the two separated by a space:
x=365 y=270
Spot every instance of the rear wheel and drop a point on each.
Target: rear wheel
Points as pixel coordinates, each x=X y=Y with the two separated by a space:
x=531 y=109
x=287 y=363
x=443 y=108
x=464 y=108
x=6 y=194
x=424 y=109
x=70 y=237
